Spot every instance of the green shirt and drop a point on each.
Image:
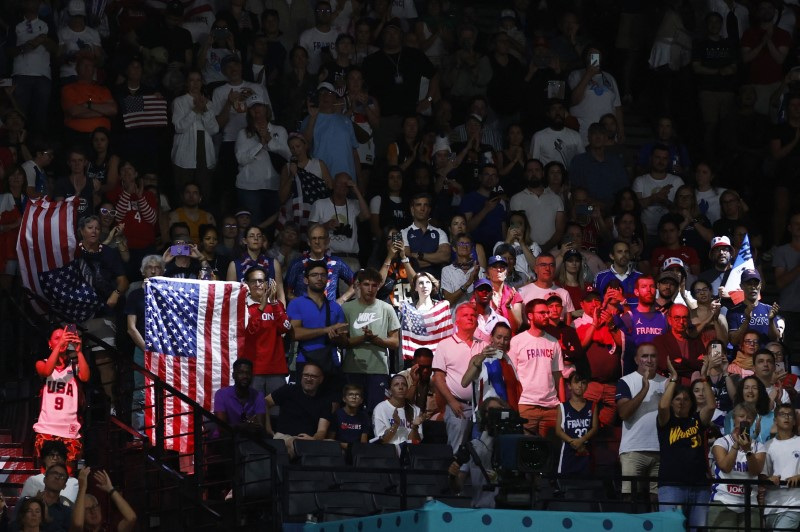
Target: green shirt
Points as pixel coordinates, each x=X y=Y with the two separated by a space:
x=382 y=319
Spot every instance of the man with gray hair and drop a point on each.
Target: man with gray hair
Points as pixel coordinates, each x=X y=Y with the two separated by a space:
x=152 y=266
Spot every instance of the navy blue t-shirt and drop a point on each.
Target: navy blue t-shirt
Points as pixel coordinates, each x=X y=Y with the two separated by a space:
x=348 y=429
x=638 y=327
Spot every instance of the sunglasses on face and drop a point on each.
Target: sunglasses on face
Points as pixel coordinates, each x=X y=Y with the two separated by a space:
x=108 y=212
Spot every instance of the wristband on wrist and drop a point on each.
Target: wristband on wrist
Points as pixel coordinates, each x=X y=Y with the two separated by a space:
x=111 y=491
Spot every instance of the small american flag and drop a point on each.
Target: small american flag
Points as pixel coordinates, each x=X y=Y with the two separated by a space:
x=67 y=291
x=46 y=240
x=193 y=333
x=424 y=329
x=306 y=189
x=144 y=111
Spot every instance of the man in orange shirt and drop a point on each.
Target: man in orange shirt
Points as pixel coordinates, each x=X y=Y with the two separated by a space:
x=87 y=105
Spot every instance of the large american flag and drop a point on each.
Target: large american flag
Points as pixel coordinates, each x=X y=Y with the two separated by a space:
x=426 y=328
x=144 y=111
x=193 y=333
x=45 y=249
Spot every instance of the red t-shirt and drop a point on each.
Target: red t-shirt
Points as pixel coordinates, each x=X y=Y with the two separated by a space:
x=139 y=216
x=764 y=69
x=603 y=355
x=263 y=344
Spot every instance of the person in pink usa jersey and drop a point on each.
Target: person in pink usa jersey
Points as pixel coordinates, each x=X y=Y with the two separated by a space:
x=58 y=418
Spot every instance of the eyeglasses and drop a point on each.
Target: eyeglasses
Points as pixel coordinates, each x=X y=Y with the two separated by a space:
x=108 y=212
x=777 y=353
x=57 y=476
x=546 y=265
x=750 y=342
x=231 y=226
x=464 y=244
x=785 y=414
x=311 y=377
x=351 y=394
x=92 y=508
x=681 y=318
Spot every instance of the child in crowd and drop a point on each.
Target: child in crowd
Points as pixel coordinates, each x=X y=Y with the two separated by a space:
x=351 y=424
x=62 y=371
x=576 y=424
x=783 y=464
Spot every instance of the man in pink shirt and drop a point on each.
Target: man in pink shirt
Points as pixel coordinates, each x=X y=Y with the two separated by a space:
x=449 y=365
x=537 y=358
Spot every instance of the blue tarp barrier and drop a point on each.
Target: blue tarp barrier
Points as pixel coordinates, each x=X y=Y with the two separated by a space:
x=439 y=517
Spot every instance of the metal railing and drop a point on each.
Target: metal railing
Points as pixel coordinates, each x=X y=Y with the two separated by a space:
x=173 y=491
x=210 y=489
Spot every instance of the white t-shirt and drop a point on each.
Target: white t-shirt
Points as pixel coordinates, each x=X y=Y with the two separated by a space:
x=601 y=96
x=521 y=265
x=783 y=458
x=710 y=199
x=561 y=146
x=323 y=210
x=732 y=495
x=535 y=358
x=34 y=62
x=314 y=41
x=645 y=186
x=540 y=210
x=639 y=432
x=238 y=114
x=382 y=421
x=531 y=291
x=73 y=41
x=453 y=278
x=33 y=485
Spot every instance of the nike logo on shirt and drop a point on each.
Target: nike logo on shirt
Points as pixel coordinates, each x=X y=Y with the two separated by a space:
x=364 y=319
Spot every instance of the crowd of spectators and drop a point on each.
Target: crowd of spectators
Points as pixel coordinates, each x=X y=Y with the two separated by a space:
x=436 y=203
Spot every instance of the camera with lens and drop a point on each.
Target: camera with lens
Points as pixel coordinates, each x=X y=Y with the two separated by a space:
x=345 y=230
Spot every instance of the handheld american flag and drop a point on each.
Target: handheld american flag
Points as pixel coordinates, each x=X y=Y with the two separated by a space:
x=144 y=111
x=45 y=249
x=743 y=261
x=424 y=328
x=193 y=333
